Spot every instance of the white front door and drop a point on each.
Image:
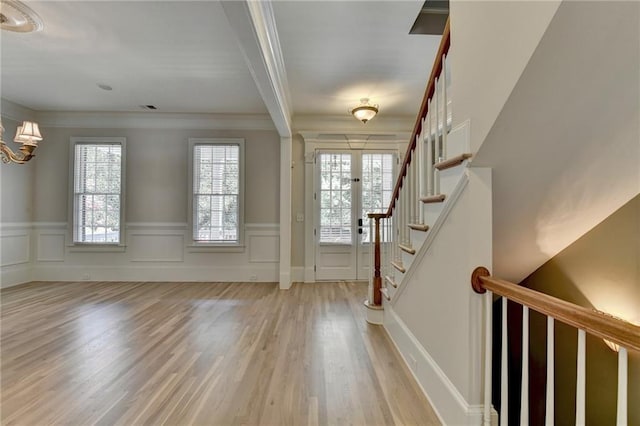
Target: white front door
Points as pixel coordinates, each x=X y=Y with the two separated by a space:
x=349 y=184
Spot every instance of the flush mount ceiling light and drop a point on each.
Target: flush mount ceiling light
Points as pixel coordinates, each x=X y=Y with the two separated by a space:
x=365 y=111
x=18 y=17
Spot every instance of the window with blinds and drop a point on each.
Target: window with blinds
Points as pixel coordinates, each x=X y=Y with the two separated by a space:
x=216 y=193
x=97 y=192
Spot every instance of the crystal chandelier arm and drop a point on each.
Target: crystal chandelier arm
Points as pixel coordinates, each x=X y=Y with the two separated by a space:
x=25 y=154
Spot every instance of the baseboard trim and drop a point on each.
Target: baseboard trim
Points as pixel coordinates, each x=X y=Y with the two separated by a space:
x=158 y=273
x=15 y=275
x=449 y=405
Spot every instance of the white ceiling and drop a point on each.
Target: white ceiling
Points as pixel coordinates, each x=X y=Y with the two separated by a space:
x=179 y=56
x=182 y=56
x=337 y=52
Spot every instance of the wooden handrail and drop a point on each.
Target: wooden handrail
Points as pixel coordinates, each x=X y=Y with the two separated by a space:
x=445 y=43
x=592 y=321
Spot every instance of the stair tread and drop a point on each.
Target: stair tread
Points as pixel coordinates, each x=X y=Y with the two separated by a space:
x=407 y=248
x=438 y=198
x=391 y=281
x=398 y=265
x=418 y=227
x=452 y=162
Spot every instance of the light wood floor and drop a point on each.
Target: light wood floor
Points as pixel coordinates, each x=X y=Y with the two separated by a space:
x=200 y=353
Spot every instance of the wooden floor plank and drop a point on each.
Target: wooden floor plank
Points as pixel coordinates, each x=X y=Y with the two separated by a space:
x=199 y=353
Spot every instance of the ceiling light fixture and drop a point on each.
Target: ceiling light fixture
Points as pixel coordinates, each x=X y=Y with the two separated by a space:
x=365 y=111
x=18 y=17
x=28 y=135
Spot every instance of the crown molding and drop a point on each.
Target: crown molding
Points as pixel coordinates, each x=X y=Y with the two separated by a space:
x=344 y=124
x=13 y=111
x=255 y=28
x=154 y=120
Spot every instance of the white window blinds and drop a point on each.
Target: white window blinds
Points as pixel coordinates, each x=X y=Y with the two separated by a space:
x=216 y=193
x=97 y=193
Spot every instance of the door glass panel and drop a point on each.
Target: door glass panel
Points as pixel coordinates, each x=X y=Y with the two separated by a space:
x=377 y=187
x=335 y=198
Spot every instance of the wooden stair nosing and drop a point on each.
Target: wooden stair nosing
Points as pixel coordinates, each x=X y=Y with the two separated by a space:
x=438 y=198
x=407 y=249
x=418 y=227
x=452 y=162
x=385 y=293
x=390 y=281
x=398 y=266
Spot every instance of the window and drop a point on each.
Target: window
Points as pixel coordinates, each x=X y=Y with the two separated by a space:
x=216 y=199
x=97 y=195
x=335 y=198
x=377 y=187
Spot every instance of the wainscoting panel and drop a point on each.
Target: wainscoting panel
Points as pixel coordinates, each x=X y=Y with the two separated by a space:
x=15 y=247
x=264 y=248
x=151 y=252
x=161 y=247
x=50 y=247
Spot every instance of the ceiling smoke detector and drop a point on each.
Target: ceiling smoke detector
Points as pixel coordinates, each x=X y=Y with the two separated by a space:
x=18 y=17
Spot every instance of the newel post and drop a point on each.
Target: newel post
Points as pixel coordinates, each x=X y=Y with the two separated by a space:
x=374 y=303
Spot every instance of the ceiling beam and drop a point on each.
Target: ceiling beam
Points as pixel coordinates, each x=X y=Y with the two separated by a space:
x=254 y=25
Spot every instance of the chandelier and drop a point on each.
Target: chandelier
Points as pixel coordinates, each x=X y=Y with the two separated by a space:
x=365 y=111
x=28 y=134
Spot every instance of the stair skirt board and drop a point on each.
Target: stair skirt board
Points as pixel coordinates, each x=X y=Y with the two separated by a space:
x=448 y=207
x=448 y=403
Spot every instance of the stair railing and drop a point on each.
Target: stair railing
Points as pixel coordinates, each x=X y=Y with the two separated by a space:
x=621 y=333
x=418 y=179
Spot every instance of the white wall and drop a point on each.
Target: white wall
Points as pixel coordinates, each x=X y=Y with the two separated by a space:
x=157 y=237
x=565 y=149
x=491 y=43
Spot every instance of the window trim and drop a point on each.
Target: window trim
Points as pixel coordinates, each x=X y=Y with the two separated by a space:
x=89 y=246
x=199 y=246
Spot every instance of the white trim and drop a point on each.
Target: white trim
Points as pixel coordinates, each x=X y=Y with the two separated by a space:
x=15 y=275
x=285 y=213
x=157 y=272
x=346 y=124
x=85 y=246
x=448 y=403
x=297 y=274
x=153 y=120
x=433 y=232
x=214 y=246
x=13 y=111
x=255 y=28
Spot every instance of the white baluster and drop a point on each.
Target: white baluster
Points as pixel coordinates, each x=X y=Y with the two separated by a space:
x=405 y=207
x=488 y=346
x=621 y=416
x=549 y=416
x=421 y=174
x=581 y=379
x=436 y=149
x=504 y=372
x=444 y=106
x=524 y=393
x=437 y=114
x=429 y=157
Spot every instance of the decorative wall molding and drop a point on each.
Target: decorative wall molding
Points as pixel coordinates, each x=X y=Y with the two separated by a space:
x=154 y=120
x=154 y=252
x=15 y=247
x=346 y=124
